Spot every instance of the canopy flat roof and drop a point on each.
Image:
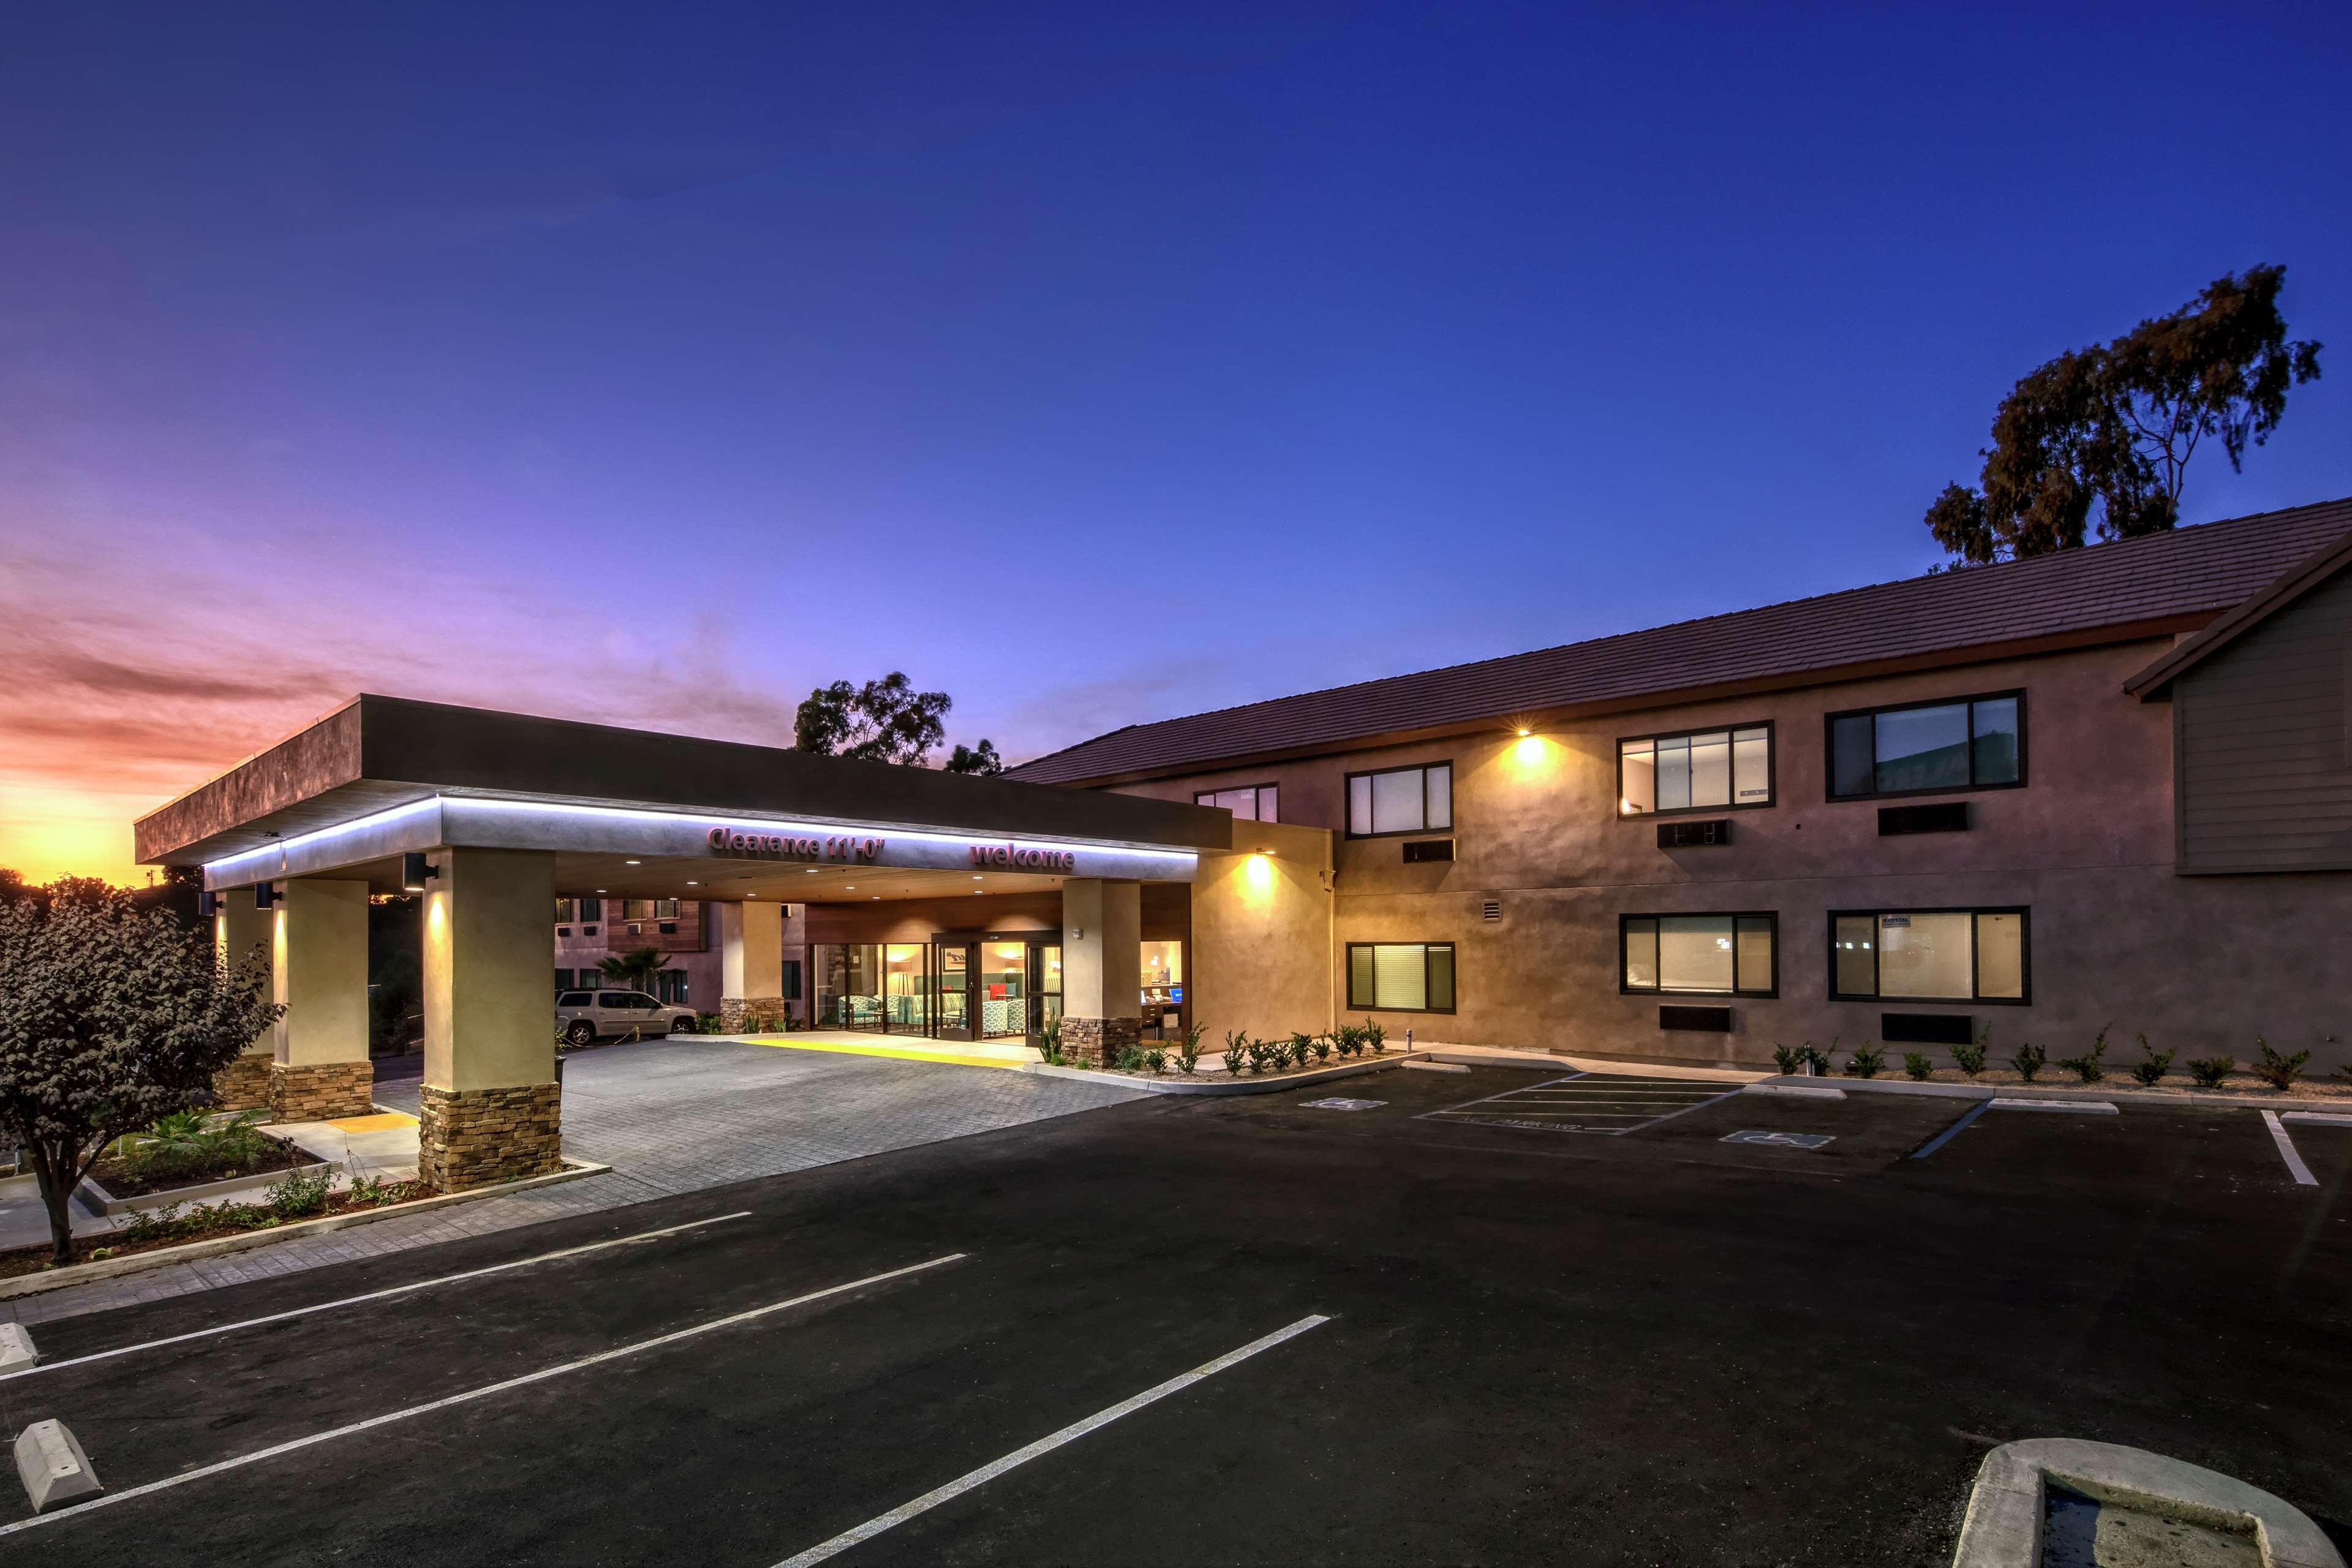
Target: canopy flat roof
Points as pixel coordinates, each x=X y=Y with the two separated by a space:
x=375 y=754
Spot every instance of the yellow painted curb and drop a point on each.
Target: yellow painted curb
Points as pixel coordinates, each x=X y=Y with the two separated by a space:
x=383 y=1122
x=895 y=1052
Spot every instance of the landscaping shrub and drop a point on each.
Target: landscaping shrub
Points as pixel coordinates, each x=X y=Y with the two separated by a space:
x=1789 y=1059
x=1970 y=1058
x=1375 y=1037
x=295 y=1196
x=1131 y=1059
x=2210 y=1072
x=2027 y=1062
x=1265 y=1054
x=2154 y=1064
x=2087 y=1067
x=2275 y=1069
x=2345 y=1072
x=1866 y=1061
x=1916 y=1066
x=1187 y=1053
x=1237 y=1045
x=1322 y=1048
x=1302 y=1045
x=1049 y=1043
x=1155 y=1060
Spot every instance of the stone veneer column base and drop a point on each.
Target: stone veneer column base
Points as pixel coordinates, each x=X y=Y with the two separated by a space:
x=244 y=1084
x=472 y=1137
x=752 y=1015
x=319 y=1091
x=1091 y=1042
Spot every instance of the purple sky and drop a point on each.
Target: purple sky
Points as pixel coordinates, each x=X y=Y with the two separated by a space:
x=1095 y=365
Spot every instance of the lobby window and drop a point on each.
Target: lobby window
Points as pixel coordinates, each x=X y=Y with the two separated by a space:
x=1707 y=770
x=1974 y=743
x=1401 y=800
x=1251 y=803
x=1700 y=955
x=1401 y=976
x=1929 y=955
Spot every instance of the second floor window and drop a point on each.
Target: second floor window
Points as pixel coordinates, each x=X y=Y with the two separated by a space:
x=1401 y=800
x=1708 y=769
x=565 y=909
x=1975 y=742
x=1251 y=803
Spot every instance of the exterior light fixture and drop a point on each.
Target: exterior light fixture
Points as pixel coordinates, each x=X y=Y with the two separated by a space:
x=415 y=870
x=1524 y=734
x=208 y=904
x=265 y=895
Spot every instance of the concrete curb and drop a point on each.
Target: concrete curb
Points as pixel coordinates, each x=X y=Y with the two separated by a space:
x=246 y=1241
x=2012 y=1090
x=1245 y=1085
x=97 y=1200
x=2003 y=1528
x=1797 y=1090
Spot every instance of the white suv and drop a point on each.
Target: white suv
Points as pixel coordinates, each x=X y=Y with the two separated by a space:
x=581 y=1016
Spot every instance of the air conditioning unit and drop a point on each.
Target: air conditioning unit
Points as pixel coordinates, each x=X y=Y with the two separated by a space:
x=1694 y=835
x=1943 y=816
x=1424 y=851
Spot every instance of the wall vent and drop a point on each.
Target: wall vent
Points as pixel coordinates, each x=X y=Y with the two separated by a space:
x=1423 y=850
x=1493 y=910
x=1694 y=835
x=1701 y=1020
x=1926 y=1029
x=1944 y=817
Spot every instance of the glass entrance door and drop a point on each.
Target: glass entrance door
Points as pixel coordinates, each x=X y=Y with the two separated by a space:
x=952 y=973
x=1003 y=990
x=1044 y=986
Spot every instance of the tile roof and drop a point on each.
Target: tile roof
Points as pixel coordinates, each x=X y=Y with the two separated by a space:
x=2186 y=577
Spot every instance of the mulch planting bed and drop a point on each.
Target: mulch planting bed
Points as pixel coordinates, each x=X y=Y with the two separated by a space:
x=132 y=1179
x=26 y=1260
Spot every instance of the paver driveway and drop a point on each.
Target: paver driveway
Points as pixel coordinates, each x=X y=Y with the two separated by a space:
x=670 y=1118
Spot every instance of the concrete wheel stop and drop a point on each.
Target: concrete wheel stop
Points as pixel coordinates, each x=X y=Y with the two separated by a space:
x=2062 y=1502
x=51 y=1464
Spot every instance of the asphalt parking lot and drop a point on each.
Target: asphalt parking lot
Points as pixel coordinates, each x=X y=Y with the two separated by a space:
x=1699 y=1338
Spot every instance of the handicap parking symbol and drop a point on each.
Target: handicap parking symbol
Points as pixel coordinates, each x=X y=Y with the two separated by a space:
x=1780 y=1140
x=1339 y=1103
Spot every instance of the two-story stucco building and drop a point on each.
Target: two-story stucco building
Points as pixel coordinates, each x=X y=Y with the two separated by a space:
x=2106 y=787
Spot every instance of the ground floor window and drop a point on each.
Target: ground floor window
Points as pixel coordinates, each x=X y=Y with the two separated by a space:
x=672 y=987
x=1929 y=955
x=1401 y=976
x=848 y=985
x=563 y=979
x=1700 y=955
x=791 y=991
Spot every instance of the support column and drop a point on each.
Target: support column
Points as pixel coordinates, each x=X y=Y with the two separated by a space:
x=240 y=933
x=750 y=965
x=1102 y=968
x=492 y=1108
x=319 y=946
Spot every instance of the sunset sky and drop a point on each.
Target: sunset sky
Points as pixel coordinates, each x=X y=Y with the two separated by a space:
x=651 y=366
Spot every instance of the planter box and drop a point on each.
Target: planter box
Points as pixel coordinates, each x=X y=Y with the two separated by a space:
x=99 y=1201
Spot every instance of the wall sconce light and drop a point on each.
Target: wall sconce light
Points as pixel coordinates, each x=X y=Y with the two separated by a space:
x=416 y=870
x=265 y=895
x=208 y=904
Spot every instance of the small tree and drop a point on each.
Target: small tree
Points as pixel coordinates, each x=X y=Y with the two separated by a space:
x=111 y=1017
x=636 y=970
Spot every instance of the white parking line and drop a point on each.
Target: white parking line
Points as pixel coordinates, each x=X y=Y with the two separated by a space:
x=109 y=1499
x=2295 y=1167
x=375 y=1295
x=1046 y=1444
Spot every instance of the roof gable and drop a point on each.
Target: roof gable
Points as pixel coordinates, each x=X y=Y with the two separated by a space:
x=2299 y=581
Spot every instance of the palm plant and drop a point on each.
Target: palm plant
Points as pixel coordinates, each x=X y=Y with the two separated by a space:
x=638 y=971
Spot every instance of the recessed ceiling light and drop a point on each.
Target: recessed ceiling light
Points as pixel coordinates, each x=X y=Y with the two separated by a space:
x=851 y=889
x=812 y=870
x=877 y=898
x=631 y=862
x=600 y=889
x=692 y=883
x=976 y=877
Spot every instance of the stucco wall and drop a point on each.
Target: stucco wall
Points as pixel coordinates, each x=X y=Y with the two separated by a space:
x=1262 y=934
x=2200 y=963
